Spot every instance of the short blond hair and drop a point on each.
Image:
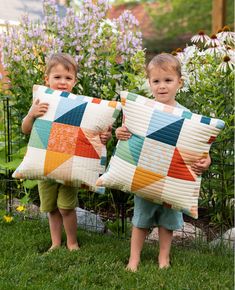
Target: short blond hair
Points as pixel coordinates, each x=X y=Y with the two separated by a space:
x=165 y=61
x=64 y=59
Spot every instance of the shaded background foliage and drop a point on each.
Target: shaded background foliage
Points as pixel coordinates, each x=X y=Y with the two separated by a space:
x=174 y=22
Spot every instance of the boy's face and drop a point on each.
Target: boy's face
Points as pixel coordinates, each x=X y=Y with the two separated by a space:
x=60 y=78
x=164 y=85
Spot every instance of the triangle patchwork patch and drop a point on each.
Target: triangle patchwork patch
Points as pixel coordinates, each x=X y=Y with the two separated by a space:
x=54 y=160
x=63 y=171
x=84 y=148
x=74 y=116
x=123 y=152
x=168 y=134
x=178 y=168
x=143 y=178
x=130 y=150
x=66 y=105
x=35 y=140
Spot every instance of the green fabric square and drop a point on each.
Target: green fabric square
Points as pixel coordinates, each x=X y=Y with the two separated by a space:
x=187 y=114
x=131 y=97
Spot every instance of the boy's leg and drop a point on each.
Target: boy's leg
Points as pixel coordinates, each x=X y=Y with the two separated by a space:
x=137 y=241
x=165 y=239
x=70 y=226
x=55 y=223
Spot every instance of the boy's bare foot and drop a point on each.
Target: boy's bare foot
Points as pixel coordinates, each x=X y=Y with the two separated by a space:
x=164 y=263
x=53 y=247
x=131 y=267
x=74 y=247
x=164 y=267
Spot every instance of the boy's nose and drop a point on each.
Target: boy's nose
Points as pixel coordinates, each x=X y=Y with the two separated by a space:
x=162 y=85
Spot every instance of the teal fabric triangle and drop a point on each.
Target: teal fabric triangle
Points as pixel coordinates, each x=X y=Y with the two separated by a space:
x=130 y=150
x=65 y=105
x=160 y=120
x=40 y=133
x=169 y=134
x=73 y=117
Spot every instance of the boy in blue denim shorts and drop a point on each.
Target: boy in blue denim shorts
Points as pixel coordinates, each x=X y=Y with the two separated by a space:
x=164 y=74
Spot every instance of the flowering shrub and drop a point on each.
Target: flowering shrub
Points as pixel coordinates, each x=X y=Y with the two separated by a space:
x=208 y=70
x=109 y=53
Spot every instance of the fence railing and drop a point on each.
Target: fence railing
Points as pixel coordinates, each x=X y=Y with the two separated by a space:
x=116 y=213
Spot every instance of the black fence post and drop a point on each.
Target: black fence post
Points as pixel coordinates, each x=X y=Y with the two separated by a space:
x=8 y=150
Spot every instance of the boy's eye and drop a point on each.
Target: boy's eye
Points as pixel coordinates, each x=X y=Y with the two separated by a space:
x=168 y=80
x=156 y=81
x=69 y=78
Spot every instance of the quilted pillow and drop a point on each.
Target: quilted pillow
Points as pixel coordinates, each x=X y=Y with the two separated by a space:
x=155 y=162
x=64 y=144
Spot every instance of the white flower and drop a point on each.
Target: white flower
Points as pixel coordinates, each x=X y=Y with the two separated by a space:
x=190 y=51
x=226 y=36
x=216 y=50
x=213 y=41
x=200 y=37
x=184 y=89
x=231 y=53
x=227 y=64
x=179 y=54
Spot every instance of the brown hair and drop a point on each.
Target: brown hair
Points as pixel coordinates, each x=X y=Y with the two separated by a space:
x=165 y=61
x=61 y=58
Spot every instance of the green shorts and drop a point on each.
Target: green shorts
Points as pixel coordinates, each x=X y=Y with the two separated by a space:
x=54 y=195
x=148 y=214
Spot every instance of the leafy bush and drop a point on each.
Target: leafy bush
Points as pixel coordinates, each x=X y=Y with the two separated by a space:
x=109 y=54
x=208 y=71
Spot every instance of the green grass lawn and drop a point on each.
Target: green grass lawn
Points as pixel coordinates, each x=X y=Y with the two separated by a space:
x=100 y=263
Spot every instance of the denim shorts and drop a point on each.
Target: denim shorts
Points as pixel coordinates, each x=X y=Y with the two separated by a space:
x=148 y=214
x=54 y=195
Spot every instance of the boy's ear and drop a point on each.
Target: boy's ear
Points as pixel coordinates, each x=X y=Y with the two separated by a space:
x=46 y=80
x=75 y=82
x=181 y=83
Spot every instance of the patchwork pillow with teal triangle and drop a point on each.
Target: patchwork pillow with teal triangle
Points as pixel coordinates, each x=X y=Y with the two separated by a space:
x=155 y=163
x=65 y=144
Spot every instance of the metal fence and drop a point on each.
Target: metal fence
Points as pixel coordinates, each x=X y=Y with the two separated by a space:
x=115 y=213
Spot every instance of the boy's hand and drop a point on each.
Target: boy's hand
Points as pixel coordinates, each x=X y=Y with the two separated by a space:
x=201 y=165
x=38 y=109
x=105 y=136
x=122 y=133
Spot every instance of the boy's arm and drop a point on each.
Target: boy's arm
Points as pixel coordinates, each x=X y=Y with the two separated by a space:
x=201 y=165
x=37 y=110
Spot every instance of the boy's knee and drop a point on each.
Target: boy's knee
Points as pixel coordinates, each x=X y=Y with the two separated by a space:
x=66 y=212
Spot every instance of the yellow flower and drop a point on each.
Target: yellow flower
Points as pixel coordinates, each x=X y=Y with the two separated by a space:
x=20 y=208
x=7 y=218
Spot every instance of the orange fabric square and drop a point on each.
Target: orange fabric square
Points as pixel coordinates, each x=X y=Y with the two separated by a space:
x=63 y=138
x=96 y=100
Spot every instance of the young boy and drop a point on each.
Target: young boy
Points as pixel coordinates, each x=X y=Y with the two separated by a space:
x=164 y=74
x=57 y=199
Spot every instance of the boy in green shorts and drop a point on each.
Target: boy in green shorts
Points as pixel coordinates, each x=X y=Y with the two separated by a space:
x=57 y=199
